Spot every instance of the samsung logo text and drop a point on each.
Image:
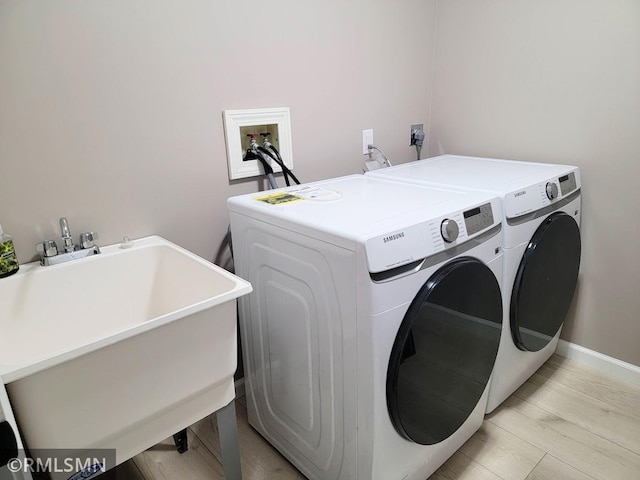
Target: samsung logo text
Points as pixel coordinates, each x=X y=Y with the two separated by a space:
x=395 y=236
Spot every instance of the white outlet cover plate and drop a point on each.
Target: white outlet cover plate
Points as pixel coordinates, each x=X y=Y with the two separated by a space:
x=234 y=119
x=367 y=139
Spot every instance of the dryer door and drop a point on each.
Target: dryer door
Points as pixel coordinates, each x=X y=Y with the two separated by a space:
x=444 y=352
x=545 y=282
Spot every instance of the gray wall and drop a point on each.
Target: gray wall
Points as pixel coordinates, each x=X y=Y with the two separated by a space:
x=111 y=111
x=557 y=81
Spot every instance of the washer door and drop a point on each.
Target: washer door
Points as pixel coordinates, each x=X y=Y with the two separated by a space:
x=444 y=352
x=545 y=282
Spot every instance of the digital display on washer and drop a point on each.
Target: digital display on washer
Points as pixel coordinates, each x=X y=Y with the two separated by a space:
x=567 y=183
x=471 y=213
x=478 y=218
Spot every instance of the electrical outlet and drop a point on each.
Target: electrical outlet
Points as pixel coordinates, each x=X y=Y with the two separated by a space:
x=414 y=128
x=239 y=123
x=367 y=139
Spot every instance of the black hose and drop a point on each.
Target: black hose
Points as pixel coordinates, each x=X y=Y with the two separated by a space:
x=268 y=171
x=281 y=163
x=285 y=170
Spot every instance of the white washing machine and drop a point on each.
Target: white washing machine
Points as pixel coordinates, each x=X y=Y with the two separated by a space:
x=541 y=205
x=372 y=331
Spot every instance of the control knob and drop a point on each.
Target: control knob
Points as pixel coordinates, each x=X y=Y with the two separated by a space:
x=552 y=191
x=449 y=230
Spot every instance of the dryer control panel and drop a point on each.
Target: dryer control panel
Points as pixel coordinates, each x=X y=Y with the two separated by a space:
x=415 y=242
x=567 y=183
x=540 y=195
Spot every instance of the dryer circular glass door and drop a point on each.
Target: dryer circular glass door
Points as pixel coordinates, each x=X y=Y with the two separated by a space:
x=444 y=351
x=545 y=282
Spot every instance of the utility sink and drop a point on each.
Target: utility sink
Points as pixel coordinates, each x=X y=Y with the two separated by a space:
x=118 y=350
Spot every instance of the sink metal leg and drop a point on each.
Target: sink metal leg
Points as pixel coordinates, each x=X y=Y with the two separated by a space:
x=229 y=443
x=180 y=440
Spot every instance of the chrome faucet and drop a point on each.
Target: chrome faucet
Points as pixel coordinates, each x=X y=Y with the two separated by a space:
x=66 y=235
x=49 y=250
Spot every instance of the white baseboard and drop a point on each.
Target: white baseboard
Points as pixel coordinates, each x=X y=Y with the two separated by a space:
x=612 y=366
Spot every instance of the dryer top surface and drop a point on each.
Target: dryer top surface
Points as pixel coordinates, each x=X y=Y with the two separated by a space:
x=495 y=175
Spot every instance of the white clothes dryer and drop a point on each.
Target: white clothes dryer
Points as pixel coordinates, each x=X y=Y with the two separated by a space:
x=372 y=331
x=541 y=205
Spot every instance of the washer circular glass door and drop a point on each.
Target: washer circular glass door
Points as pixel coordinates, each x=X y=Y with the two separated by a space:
x=444 y=352
x=545 y=282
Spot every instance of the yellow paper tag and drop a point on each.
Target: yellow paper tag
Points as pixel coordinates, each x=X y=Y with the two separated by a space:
x=278 y=198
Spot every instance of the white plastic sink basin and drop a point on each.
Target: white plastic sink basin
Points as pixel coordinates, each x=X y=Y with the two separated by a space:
x=118 y=350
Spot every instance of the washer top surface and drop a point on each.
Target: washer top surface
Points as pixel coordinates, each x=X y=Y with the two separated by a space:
x=359 y=209
x=355 y=206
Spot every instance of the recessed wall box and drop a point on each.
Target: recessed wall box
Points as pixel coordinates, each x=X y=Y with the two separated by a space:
x=239 y=124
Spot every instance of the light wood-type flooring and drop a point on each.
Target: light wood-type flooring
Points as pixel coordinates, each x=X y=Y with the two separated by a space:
x=568 y=422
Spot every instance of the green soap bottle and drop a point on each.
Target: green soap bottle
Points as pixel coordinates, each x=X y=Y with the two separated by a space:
x=8 y=260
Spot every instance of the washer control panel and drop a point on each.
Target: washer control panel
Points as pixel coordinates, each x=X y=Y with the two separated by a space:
x=419 y=240
x=478 y=218
x=449 y=230
x=552 y=190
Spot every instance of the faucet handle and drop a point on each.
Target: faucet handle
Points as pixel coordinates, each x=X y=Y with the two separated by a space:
x=87 y=239
x=48 y=248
